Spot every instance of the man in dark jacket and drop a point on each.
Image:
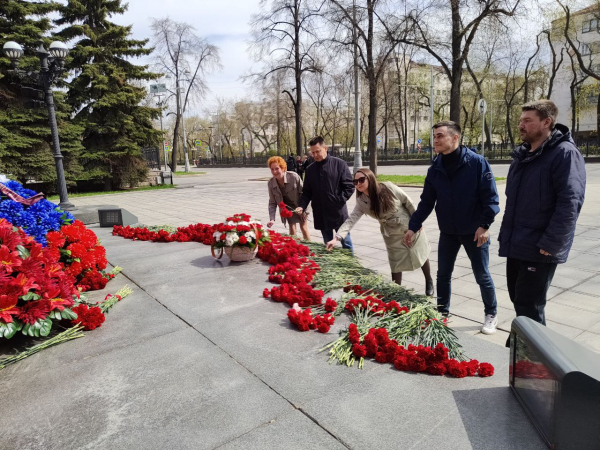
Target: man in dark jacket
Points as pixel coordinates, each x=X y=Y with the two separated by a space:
x=328 y=185
x=544 y=195
x=461 y=187
x=291 y=164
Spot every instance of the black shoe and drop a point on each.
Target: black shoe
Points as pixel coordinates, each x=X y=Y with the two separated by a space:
x=429 y=288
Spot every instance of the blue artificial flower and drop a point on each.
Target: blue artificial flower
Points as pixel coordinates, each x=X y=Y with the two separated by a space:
x=36 y=220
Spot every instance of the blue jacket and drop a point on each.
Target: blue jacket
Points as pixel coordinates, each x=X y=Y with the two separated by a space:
x=462 y=204
x=544 y=195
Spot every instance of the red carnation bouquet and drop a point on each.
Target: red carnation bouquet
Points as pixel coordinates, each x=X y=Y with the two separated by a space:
x=240 y=230
x=78 y=249
x=285 y=211
x=35 y=288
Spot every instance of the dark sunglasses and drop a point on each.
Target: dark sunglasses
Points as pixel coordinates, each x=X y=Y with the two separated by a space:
x=360 y=180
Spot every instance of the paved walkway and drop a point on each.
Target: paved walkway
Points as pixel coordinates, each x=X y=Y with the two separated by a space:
x=574 y=305
x=196 y=359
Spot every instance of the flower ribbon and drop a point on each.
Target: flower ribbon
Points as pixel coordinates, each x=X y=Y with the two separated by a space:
x=17 y=198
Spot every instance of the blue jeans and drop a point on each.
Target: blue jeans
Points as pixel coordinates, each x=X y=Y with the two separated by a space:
x=448 y=248
x=346 y=242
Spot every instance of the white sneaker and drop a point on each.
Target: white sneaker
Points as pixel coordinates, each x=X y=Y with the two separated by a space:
x=490 y=324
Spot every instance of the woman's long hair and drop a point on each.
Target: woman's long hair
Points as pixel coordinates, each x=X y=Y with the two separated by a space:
x=382 y=199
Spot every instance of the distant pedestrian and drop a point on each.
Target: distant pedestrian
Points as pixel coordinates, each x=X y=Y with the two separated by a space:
x=544 y=195
x=327 y=186
x=291 y=164
x=299 y=168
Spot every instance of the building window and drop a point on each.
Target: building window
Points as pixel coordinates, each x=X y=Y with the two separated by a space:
x=586 y=26
x=585 y=49
x=589 y=25
x=438 y=92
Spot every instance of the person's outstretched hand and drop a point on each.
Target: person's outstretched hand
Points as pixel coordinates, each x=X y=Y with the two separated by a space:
x=270 y=223
x=330 y=244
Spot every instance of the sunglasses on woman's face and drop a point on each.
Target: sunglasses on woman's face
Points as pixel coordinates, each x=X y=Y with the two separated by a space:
x=359 y=180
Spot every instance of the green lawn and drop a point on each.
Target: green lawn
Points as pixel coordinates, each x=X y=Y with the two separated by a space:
x=412 y=180
x=123 y=191
x=182 y=173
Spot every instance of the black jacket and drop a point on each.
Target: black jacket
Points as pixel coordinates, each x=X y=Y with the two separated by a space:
x=463 y=203
x=544 y=195
x=328 y=185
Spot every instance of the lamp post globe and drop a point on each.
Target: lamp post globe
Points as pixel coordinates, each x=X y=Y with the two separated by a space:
x=59 y=50
x=13 y=51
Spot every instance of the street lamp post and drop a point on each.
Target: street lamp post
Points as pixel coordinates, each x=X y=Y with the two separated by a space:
x=51 y=66
x=357 y=148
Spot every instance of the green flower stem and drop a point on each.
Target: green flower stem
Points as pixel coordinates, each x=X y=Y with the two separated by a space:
x=67 y=335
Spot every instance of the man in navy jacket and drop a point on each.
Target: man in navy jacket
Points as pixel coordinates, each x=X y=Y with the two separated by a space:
x=461 y=187
x=328 y=185
x=544 y=195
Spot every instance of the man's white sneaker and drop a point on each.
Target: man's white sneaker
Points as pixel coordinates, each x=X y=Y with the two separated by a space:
x=490 y=324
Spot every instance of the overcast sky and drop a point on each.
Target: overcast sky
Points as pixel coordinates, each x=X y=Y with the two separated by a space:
x=224 y=23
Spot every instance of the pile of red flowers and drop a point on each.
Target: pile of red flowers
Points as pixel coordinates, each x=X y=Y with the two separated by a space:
x=377 y=344
x=294 y=270
x=376 y=305
x=304 y=320
x=78 y=249
x=193 y=233
x=35 y=288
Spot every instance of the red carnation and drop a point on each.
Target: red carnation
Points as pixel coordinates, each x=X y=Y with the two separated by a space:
x=89 y=318
x=472 y=367
x=486 y=370
x=243 y=240
x=266 y=293
x=456 y=369
x=323 y=328
x=360 y=351
x=401 y=363
x=437 y=368
x=330 y=305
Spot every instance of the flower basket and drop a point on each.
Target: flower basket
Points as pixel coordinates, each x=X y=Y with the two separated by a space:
x=241 y=253
x=239 y=238
x=235 y=253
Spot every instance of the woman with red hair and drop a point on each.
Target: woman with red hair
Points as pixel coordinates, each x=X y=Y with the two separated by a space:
x=286 y=187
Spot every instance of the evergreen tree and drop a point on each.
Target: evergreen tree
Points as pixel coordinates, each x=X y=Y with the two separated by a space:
x=106 y=92
x=25 y=138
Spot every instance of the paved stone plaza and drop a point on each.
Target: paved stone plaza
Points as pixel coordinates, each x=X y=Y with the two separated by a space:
x=574 y=306
x=196 y=358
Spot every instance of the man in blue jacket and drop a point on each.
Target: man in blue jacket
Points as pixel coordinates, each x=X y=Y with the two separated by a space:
x=461 y=187
x=328 y=185
x=544 y=195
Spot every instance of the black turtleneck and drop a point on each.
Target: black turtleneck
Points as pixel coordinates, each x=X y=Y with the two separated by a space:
x=450 y=162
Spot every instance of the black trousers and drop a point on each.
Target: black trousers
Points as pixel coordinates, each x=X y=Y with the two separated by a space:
x=528 y=284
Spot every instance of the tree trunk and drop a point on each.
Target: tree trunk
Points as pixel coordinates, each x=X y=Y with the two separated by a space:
x=457 y=62
x=372 y=139
x=176 y=130
x=508 y=127
x=298 y=75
